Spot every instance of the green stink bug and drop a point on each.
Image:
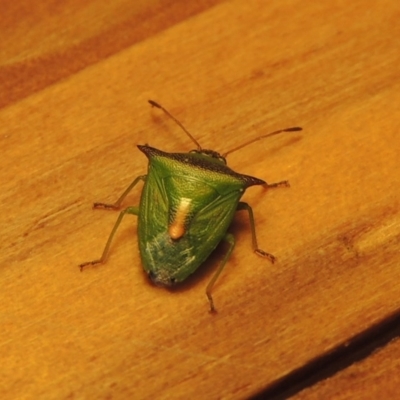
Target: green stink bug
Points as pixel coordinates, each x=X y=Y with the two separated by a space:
x=187 y=204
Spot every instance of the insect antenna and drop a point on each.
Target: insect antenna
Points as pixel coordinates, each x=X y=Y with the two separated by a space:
x=155 y=104
x=293 y=129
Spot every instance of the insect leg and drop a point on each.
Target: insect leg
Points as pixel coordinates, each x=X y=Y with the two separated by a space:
x=245 y=206
x=117 y=204
x=277 y=184
x=129 y=210
x=231 y=242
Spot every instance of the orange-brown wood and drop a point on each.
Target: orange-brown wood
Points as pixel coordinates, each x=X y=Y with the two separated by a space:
x=75 y=82
x=376 y=377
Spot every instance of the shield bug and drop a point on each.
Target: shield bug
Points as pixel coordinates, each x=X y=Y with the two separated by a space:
x=187 y=204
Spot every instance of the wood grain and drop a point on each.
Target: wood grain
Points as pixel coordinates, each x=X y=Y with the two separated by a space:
x=230 y=71
x=376 y=377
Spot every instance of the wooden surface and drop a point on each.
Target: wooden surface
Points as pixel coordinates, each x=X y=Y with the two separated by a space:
x=375 y=378
x=75 y=79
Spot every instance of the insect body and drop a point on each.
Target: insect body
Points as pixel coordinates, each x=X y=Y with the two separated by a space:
x=187 y=205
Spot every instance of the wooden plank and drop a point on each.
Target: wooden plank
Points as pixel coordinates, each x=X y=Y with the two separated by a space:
x=229 y=74
x=46 y=41
x=373 y=378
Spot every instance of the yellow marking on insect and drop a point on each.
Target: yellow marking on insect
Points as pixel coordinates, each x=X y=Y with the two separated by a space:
x=177 y=227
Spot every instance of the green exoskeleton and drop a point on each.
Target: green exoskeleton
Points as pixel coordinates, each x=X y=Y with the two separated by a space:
x=187 y=205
